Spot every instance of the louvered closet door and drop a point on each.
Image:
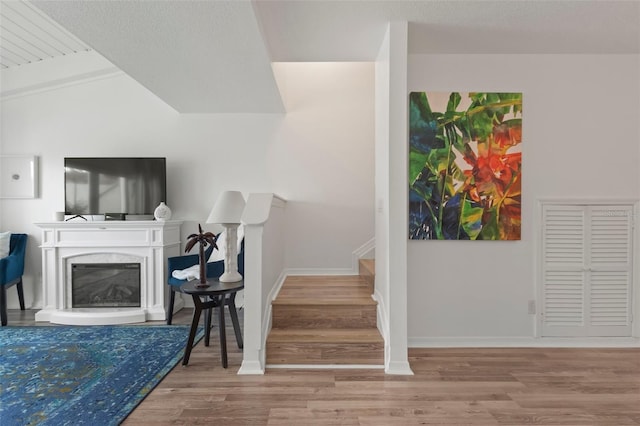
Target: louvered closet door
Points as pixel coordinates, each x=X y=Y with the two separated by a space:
x=586 y=270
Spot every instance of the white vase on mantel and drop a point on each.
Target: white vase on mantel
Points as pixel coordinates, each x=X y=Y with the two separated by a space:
x=162 y=212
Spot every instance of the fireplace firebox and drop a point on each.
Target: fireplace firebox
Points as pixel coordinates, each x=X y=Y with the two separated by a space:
x=105 y=285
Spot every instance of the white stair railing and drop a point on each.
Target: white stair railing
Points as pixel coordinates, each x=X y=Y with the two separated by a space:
x=264 y=242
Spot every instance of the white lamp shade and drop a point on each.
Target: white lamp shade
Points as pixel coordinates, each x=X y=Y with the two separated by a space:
x=228 y=208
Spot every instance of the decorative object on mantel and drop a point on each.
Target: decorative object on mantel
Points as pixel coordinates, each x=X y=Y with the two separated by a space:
x=162 y=212
x=18 y=176
x=227 y=211
x=204 y=239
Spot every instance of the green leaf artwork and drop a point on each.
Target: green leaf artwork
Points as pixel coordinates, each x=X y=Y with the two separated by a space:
x=465 y=166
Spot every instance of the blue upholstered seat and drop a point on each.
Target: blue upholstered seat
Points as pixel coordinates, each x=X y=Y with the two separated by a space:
x=11 y=270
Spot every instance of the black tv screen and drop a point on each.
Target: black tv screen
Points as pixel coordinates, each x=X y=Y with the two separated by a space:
x=132 y=186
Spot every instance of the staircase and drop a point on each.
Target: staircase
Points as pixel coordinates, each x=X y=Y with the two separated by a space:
x=325 y=320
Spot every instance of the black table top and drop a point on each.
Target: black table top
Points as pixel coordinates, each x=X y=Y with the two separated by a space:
x=215 y=287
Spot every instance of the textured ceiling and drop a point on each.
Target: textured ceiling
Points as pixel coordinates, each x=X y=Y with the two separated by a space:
x=353 y=30
x=198 y=56
x=215 y=55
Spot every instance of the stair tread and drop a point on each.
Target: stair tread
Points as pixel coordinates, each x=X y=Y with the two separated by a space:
x=325 y=320
x=369 y=265
x=325 y=301
x=327 y=335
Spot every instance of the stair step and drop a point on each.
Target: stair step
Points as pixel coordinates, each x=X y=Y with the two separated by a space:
x=320 y=315
x=367 y=270
x=320 y=320
x=325 y=335
x=325 y=346
x=368 y=266
x=324 y=300
x=301 y=288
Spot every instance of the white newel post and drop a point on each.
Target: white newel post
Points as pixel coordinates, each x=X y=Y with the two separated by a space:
x=264 y=230
x=147 y=243
x=253 y=351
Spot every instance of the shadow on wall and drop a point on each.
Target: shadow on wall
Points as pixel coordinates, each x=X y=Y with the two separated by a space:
x=324 y=236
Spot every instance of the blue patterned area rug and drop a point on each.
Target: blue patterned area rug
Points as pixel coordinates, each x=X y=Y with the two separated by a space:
x=82 y=375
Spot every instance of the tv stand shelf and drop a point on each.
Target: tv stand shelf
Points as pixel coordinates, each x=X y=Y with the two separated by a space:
x=147 y=242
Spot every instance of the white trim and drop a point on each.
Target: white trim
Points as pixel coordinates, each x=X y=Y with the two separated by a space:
x=356 y=255
x=250 y=368
x=588 y=201
x=635 y=270
x=61 y=83
x=537 y=276
x=383 y=325
x=523 y=342
x=267 y=316
x=258 y=207
x=95 y=316
x=278 y=201
x=360 y=252
x=399 y=368
x=326 y=366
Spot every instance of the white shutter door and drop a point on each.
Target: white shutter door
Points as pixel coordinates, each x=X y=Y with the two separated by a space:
x=587 y=254
x=610 y=270
x=563 y=275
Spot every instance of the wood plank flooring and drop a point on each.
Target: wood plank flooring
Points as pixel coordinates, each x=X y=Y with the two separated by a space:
x=538 y=386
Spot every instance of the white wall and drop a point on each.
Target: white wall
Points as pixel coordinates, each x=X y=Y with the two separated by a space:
x=319 y=156
x=382 y=148
x=580 y=139
x=322 y=161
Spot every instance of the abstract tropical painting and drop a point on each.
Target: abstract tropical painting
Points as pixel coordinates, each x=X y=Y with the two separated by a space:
x=465 y=166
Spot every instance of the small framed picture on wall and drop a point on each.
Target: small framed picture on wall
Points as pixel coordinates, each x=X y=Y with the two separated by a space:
x=18 y=176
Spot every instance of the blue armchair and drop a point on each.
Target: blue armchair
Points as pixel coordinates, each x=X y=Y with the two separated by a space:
x=11 y=270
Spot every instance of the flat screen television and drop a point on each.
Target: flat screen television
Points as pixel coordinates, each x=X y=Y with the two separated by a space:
x=110 y=185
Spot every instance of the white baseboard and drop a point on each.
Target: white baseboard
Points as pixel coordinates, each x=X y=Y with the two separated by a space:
x=250 y=368
x=524 y=342
x=399 y=368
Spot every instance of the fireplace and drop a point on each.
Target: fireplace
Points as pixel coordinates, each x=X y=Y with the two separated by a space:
x=111 y=272
x=105 y=285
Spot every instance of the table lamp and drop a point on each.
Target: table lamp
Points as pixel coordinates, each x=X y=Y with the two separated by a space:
x=227 y=211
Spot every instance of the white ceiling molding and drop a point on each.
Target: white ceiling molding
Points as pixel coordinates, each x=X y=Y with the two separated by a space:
x=27 y=36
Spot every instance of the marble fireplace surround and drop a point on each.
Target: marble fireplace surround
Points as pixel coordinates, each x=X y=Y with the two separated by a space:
x=148 y=243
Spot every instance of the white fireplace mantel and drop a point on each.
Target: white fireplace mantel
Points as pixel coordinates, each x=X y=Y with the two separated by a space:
x=148 y=242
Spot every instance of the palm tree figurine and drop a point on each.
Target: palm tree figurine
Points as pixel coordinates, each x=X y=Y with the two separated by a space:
x=205 y=239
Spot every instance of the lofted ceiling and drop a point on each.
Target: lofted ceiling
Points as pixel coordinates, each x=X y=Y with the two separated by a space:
x=214 y=56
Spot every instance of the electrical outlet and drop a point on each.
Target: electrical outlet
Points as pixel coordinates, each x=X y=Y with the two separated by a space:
x=532 y=307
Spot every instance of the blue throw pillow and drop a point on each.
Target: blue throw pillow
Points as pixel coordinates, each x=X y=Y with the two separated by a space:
x=5 y=241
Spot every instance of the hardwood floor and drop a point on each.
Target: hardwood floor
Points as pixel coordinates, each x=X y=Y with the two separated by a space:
x=450 y=386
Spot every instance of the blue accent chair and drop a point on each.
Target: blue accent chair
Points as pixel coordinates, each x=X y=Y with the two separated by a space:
x=214 y=270
x=11 y=270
